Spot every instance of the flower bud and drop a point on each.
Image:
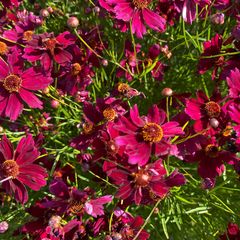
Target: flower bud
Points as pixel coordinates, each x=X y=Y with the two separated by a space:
x=73 y=22
x=44 y=13
x=96 y=9
x=55 y=104
x=104 y=62
x=3 y=227
x=45 y=90
x=217 y=18
x=214 y=122
x=167 y=92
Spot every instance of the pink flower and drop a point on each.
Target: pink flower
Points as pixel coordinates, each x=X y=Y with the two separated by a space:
x=17 y=168
x=233 y=82
x=146 y=135
x=17 y=86
x=145 y=184
x=136 y=12
x=45 y=47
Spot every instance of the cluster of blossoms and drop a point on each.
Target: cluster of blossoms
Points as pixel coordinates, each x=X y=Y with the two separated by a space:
x=130 y=153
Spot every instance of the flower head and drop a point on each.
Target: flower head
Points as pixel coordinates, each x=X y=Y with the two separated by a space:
x=17 y=168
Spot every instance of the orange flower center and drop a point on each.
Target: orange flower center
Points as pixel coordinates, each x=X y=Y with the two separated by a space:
x=211 y=150
x=227 y=132
x=10 y=168
x=27 y=35
x=141 y=3
x=76 y=68
x=87 y=127
x=75 y=207
x=12 y=83
x=50 y=44
x=109 y=114
x=152 y=132
x=212 y=109
x=141 y=178
x=123 y=87
x=3 y=48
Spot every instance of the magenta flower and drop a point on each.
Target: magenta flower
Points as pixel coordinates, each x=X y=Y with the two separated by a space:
x=233 y=82
x=17 y=86
x=207 y=59
x=146 y=135
x=45 y=47
x=75 y=201
x=203 y=109
x=136 y=12
x=145 y=184
x=211 y=158
x=17 y=168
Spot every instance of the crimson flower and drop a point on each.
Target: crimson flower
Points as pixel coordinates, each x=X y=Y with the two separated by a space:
x=45 y=47
x=203 y=109
x=136 y=12
x=145 y=184
x=233 y=82
x=75 y=201
x=145 y=135
x=17 y=168
x=207 y=59
x=16 y=86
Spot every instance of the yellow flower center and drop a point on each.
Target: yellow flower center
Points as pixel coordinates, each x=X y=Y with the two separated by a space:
x=12 y=83
x=75 y=207
x=87 y=127
x=27 y=35
x=3 y=48
x=141 y=178
x=123 y=87
x=152 y=132
x=76 y=68
x=211 y=150
x=109 y=114
x=212 y=109
x=141 y=4
x=10 y=168
x=227 y=132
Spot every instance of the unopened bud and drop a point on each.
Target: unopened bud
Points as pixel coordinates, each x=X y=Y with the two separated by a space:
x=73 y=22
x=104 y=62
x=167 y=92
x=55 y=104
x=44 y=13
x=214 y=122
x=3 y=227
x=217 y=18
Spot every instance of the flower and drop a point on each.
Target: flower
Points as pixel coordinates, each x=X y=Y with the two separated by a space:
x=203 y=109
x=136 y=12
x=75 y=201
x=207 y=59
x=145 y=135
x=233 y=82
x=145 y=184
x=17 y=168
x=16 y=86
x=45 y=47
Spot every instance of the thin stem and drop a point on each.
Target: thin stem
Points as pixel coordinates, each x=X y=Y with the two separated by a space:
x=6 y=179
x=147 y=219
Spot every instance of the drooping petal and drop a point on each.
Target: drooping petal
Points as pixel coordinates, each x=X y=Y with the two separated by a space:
x=153 y=20
x=33 y=79
x=171 y=129
x=31 y=100
x=62 y=56
x=6 y=148
x=14 y=107
x=137 y=24
x=59 y=189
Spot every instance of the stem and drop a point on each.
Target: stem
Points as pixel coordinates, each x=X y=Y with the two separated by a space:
x=147 y=219
x=6 y=179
